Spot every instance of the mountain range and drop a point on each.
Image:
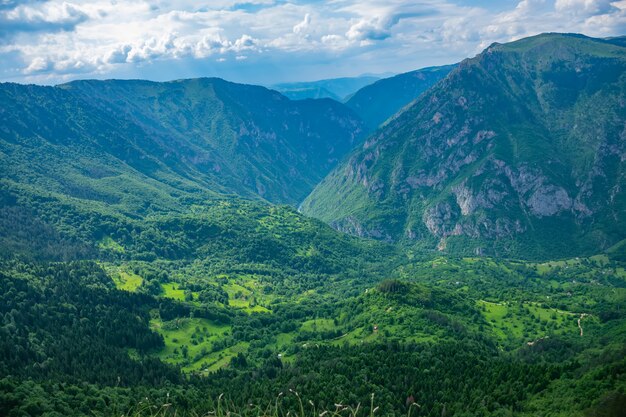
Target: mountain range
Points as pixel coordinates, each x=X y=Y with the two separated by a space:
x=338 y=89
x=519 y=151
x=447 y=242
x=136 y=148
x=516 y=152
x=190 y=136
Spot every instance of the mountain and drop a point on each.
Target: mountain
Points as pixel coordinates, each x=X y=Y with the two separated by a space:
x=302 y=91
x=377 y=102
x=143 y=271
x=520 y=151
x=86 y=162
x=335 y=88
x=112 y=140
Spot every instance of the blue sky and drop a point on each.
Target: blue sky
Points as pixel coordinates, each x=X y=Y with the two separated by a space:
x=270 y=41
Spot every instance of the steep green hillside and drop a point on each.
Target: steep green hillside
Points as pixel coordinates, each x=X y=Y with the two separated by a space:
x=143 y=271
x=88 y=138
x=379 y=101
x=245 y=138
x=519 y=152
x=81 y=156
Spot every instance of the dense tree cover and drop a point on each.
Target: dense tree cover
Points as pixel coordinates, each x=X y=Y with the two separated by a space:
x=230 y=285
x=67 y=322
x=69 y=334
x=465 y=378
x=220 y=231
x=129 y=280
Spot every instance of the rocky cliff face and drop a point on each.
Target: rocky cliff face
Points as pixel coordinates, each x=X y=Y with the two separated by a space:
x=521 y=148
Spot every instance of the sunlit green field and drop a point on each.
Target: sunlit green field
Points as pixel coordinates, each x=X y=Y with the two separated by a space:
x=128 y=281
x=188 y=341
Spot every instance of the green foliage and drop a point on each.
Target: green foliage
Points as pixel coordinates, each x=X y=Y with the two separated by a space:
x=132 y=285
x=67 y=322
x=507 y=156
x=377 y=102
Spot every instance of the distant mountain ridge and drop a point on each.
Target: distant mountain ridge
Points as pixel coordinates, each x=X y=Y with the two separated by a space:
x=519 y=152
x=336 y=88
x=380 y=100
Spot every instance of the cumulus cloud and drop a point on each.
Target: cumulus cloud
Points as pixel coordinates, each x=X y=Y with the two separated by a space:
x=379 y=27
x=38 y=65
x=52 y=40
x=245 y=43
x=586 y=7
x=304 y=25
x=118 y=55
x=211 y=44
x=45 y=17
x=366 y=30
x=605 y=17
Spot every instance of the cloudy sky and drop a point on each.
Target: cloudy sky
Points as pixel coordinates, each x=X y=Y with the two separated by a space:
x=268 y=41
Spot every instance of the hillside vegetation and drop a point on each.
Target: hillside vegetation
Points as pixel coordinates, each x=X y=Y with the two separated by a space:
x=377 y=102
x=87 y=138
x=518 y=152
x=148 y=269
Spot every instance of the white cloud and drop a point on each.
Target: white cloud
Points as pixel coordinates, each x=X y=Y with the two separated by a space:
x=369 y=30
x=587 y=7
x=53 y=40
x=40 y=17
x=304 y=25
x=245 y=43
x=38 y=65
x=118 y=55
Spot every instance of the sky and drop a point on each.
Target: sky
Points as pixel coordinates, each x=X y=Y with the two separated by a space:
x=271 y=41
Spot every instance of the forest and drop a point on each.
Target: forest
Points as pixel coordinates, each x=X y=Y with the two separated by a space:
x=206 y=248
x=277 y=331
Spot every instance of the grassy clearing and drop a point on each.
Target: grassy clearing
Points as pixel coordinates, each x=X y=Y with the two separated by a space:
x=109 y=244
x=127 y=281
x=188 y=341
x=217 y=360
x=519 y=322
x=357 y=336
x=172 y=290
x=547 y=267
x=318 y=325
x=243 y=295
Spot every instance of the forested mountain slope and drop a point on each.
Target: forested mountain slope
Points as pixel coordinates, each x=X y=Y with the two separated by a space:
x=377 y=102
x=81 y=156
x=189 y=135
x=143 y=271
x=520 y=152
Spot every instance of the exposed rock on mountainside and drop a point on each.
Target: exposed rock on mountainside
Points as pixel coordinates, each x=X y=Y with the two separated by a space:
x=520 y=150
